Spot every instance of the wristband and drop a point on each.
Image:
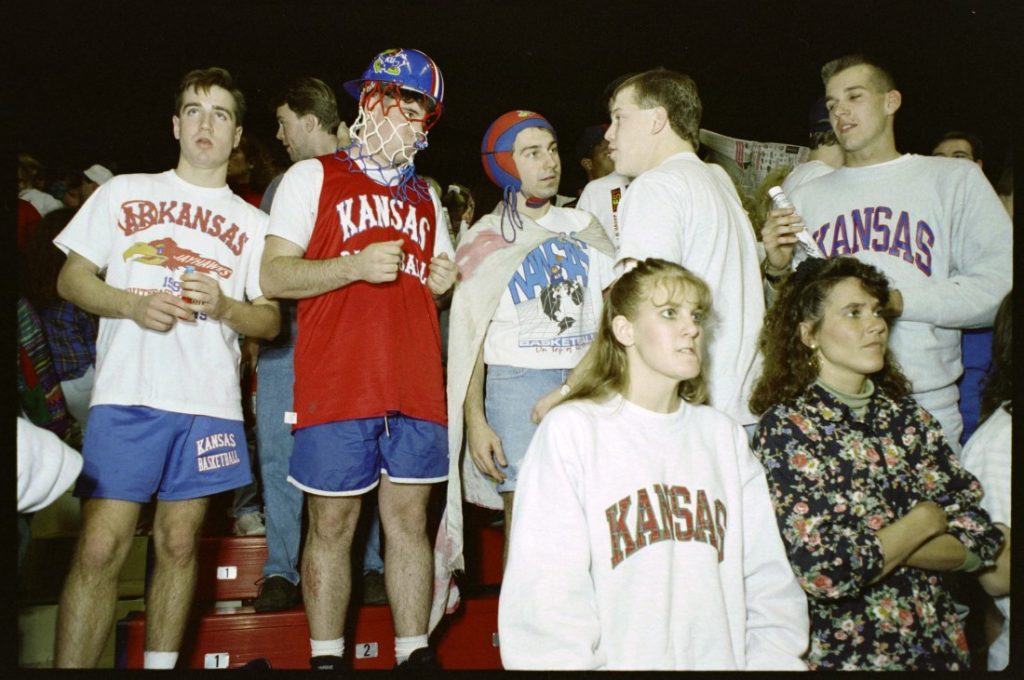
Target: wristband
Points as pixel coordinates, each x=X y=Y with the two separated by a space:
x=773 y=278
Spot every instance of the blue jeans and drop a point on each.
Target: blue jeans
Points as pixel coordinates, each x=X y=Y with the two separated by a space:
x=976 y=350
x=510 y=395
x=247 y=498
x=282 y=501
x=371 y=555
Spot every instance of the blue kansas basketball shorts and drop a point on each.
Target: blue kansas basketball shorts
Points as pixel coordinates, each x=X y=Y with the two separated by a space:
x=347 y=457
x=132 y=452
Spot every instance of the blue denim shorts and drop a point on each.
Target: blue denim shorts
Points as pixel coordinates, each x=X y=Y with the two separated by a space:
x=132 y=452
x=347 y=457
x=510 y=395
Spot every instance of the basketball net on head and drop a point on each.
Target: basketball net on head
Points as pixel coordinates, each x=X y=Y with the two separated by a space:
x=379 y=145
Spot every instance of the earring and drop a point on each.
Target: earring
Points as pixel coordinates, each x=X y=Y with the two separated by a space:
x=812 y=359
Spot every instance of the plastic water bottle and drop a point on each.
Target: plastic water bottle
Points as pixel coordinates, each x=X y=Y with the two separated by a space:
x=807 y=245
x=779 y=198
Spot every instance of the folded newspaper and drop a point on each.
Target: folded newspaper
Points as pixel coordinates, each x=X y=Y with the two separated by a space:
x=749 y=162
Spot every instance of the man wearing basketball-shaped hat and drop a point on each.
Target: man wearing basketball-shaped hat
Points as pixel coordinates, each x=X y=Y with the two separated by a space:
x=356 y=237
x=524 y=313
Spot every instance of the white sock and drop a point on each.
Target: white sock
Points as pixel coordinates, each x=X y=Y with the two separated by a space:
x=327 y=647
x=159 y=660
x=405 y=646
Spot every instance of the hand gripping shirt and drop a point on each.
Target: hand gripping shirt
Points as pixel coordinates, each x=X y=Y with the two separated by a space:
x=366 y=349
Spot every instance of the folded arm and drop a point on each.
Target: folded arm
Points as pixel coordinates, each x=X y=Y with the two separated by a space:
x=996 y=580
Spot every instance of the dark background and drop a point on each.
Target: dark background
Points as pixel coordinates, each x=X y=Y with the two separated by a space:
x=95 y=80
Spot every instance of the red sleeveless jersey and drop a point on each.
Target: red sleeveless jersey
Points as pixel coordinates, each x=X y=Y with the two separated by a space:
x=369 y=349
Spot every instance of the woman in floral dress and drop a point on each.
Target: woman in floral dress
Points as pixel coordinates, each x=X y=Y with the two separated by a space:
x=872 y=504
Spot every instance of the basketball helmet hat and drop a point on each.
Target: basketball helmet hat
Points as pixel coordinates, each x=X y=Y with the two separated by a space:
x=500 y=166
x=496 y=147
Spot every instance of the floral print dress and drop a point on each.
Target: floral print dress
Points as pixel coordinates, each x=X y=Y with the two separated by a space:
x=835 y=480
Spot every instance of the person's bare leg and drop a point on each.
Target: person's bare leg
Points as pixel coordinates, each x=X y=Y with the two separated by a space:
x=88 y=600
x=408 y=559
x=176 y=528
x=326 y=563
x=507 y=498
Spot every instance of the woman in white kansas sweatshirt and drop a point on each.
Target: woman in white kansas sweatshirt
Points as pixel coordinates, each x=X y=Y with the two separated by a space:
x=643 y=535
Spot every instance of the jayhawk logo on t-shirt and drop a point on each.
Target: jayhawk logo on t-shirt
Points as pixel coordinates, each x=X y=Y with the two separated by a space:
x=167 y=253
x=550 y=295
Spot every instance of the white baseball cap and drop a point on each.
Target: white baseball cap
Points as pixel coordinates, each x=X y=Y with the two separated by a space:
x=97 y=173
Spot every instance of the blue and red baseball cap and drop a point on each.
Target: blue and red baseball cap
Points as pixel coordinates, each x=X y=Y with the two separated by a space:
x=409 y=69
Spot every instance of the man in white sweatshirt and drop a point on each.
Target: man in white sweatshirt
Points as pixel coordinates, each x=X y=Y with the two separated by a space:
x=933 y=225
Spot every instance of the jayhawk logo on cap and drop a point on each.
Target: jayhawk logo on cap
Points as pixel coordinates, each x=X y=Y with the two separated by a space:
x=392 y=62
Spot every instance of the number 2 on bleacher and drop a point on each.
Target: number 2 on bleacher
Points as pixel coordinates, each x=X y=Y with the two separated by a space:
x=367 y=650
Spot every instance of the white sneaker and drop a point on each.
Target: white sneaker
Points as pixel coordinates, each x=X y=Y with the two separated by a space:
x=250 y=524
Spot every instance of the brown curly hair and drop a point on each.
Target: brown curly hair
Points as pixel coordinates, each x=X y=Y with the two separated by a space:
x=604 y=369
x=788 y=368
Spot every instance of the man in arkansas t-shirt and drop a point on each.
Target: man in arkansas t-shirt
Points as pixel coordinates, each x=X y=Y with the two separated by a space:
x=170 y=264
